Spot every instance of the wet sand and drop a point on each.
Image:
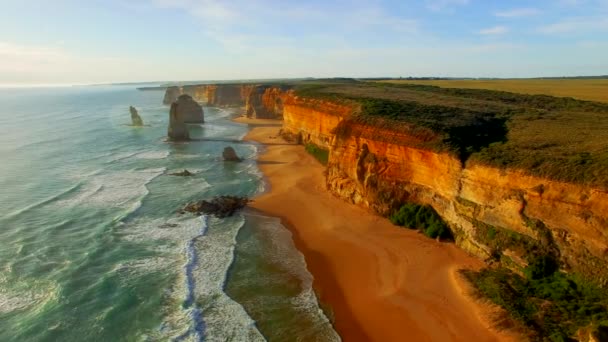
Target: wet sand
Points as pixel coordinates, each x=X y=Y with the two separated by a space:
x=380 y=282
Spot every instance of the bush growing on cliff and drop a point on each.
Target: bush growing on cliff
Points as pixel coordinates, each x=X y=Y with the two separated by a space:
x=422 y=217
x=554 y=305
x=321 y=154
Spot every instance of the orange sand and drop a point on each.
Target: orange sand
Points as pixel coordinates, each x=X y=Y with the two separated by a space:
x=382 y=283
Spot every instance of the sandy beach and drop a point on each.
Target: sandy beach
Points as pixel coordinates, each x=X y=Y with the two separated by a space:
x=380 y=282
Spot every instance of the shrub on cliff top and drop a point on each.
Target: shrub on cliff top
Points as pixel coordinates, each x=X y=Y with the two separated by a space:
x=422 y=217
x=552 y=304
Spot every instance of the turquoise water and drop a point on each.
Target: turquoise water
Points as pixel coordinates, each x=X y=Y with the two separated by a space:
x=92 y=246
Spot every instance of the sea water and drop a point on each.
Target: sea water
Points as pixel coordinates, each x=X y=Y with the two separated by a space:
x=92 y=246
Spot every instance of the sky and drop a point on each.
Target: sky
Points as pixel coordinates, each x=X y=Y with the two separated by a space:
x=99 y=41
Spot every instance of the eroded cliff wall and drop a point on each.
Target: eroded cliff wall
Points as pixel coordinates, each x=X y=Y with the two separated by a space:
x=494 y=213
x=224 y=95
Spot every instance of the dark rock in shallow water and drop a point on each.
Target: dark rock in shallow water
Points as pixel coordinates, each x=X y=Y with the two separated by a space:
x=221 y=206
x=229 y=154
x=135 y=118
x=184 y=173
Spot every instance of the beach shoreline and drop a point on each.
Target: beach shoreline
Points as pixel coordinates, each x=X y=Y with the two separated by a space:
x=381 y=283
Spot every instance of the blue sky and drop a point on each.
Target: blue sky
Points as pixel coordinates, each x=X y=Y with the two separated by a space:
x=94 y=41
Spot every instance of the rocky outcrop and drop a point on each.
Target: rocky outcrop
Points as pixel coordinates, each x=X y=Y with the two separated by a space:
x=184 y=173
x=171 y=95
x=184 y=110
x=229 y=154
x=135 y=118
x=221 y=206
x=380 y=169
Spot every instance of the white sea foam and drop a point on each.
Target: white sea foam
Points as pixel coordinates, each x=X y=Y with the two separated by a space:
x=114 y=189
x=152 y=155
x=20 y=297
x=206 y=311
x=224 y=318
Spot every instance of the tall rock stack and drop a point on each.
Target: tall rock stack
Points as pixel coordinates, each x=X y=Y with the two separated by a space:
x=184 y=110
x=135 y=118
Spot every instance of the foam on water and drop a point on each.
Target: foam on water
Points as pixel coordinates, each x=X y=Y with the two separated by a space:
x=282 y=251
x=114 y=189
x=20 y=295
x=49 y=199
x=152 y=155
x=225 y=318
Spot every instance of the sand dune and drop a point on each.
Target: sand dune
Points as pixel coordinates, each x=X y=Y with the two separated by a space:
x=382 y=283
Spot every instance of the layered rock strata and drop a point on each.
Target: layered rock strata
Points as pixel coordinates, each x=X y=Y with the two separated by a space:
x=380 y=169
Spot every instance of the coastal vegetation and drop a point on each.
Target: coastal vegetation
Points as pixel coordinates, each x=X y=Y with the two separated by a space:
x=551 y=137
x=320 y=154
x=423 y=218
x=553 y=305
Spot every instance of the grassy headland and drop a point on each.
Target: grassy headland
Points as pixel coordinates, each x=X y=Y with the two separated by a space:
x=558 y=138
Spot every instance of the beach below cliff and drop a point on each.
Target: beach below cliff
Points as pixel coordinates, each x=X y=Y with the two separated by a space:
x=376 y=281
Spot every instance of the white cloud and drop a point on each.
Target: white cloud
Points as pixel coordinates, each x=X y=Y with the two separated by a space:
x=438 y=5
x=496 y=30
x=518 y=12
x=576 y=25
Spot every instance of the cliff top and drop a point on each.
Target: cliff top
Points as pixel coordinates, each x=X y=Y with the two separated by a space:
x=555 y=137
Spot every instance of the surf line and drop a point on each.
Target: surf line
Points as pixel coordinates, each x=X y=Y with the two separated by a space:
x=196 y=314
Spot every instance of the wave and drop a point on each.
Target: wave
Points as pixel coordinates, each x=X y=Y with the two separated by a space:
x=114 y=189
x=207 y=311
x=19 y=295
x=275 y=246
x=152 y=155
x=198 y=324
x=121 y=156
x=52 y=198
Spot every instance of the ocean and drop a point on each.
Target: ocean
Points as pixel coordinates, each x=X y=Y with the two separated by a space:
x=92 y=247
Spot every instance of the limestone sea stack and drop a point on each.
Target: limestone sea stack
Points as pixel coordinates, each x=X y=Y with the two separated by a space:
x=135 y=118
x=229 y=154
x=171 y=95
x=184 y=110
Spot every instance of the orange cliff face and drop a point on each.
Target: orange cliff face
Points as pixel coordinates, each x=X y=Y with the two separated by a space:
x=263 y=102
x=379 y=169
x=313 y=120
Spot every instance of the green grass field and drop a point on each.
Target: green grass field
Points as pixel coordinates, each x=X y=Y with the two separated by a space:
x=584 y=89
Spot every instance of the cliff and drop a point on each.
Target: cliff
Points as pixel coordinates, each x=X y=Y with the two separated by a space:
x=505 y=214
x=197 y=92
x=263 y=102
x=224 y=95
x=184 y=110
x=259 y=101
x=495 y=213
